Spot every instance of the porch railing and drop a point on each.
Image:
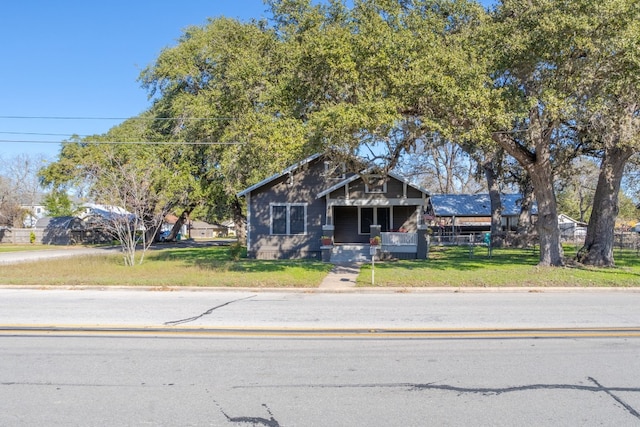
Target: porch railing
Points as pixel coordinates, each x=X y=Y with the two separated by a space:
x=399 y=239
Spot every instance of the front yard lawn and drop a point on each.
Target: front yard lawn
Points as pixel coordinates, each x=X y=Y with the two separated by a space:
x=456 y=267
x=212 y=267
x=205 y=266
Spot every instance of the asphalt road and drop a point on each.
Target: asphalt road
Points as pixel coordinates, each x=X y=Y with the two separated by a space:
x=307 y=309
x=62 y=380
x=138 y=357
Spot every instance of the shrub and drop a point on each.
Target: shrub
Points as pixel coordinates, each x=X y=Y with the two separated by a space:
x=235 y=251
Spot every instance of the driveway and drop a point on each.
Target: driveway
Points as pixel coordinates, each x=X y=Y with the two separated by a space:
x=68 y=252
x=29 y=256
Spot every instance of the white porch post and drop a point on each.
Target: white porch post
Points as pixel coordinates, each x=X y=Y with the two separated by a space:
x=329 y=211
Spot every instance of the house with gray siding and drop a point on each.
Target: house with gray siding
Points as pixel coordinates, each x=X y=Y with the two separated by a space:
x=289 y=213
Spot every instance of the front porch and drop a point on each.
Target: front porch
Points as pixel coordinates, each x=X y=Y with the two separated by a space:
x=393 y=245
x=352 y=226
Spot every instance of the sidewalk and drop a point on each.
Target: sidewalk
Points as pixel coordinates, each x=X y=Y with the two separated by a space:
x=341 y=276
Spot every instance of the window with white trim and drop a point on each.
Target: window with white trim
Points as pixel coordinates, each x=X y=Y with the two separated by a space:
x=334 y=170
x=375 y=184
x=368 y=216
x=289 y=218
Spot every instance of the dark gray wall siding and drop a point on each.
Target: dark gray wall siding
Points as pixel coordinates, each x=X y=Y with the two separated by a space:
x=413 y=193
x=305 y=184
x=395 y=190
x=405 y=217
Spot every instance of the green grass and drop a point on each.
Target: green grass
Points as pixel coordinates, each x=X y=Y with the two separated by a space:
x=212 y=267
x=454 y=267
x=206 y=266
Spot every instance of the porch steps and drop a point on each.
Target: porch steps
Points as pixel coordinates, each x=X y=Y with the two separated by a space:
x=350 y=253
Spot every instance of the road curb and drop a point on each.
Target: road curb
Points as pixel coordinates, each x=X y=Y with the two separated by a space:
x=355 y=290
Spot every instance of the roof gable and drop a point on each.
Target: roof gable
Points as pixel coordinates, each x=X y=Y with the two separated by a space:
x=355 y=177
x=278 y=175
x=332 y=188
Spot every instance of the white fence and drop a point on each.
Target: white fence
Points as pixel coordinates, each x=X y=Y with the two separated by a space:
x=399 y=239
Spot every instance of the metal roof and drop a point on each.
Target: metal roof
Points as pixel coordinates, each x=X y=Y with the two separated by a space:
x=475 y=204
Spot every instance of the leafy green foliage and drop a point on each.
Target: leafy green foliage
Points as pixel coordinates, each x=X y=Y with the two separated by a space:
x=58 y=203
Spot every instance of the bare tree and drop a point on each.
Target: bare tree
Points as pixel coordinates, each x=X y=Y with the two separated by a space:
x=442 y=167
x=10 y=211
x=133 y=209
x=20 y=188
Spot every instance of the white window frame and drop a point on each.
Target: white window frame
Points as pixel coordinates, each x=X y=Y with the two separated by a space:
x=287 y=218
x=375 y=217
x=375 y=190
x=328 y=169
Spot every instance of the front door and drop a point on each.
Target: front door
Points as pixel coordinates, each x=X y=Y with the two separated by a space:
x=345 y=221
x=375 y=215
x=383 y=219
x=353 y=223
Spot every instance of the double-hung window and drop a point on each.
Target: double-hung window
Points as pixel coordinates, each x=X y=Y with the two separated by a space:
x=289 y=218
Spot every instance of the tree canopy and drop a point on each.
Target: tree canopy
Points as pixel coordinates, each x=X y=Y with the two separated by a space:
x=543 y=81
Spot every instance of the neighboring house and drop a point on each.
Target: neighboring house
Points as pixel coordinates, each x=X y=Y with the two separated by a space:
x=203 y=230
x=571 y=228
x=103 y=212
x=289 y=212
x=230 y=227
x=34 y=211
x=464 y=213
x=66 y=230
x=59 y=230
x=169 y=221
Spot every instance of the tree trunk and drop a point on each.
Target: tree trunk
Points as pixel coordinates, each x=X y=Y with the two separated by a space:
x=179 y=223
x=524 y=219
x=551 y=252
x=598 y=245
x=538 y=165
x=240 y=220
x=491 y=174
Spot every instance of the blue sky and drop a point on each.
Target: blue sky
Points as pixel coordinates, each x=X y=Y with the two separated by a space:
x=81 y=59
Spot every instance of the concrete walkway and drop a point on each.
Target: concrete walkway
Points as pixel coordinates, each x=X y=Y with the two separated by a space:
x=341 y=276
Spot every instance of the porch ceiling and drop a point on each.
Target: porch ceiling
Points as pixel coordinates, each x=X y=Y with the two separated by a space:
x=377 y=202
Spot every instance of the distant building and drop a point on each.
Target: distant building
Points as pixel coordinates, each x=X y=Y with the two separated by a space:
x=34 y=210
x=571 y=228
x=472 y=212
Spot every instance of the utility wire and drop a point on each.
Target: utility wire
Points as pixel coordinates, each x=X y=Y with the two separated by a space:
x=113 y=118
x=123 y=142
x=42 y=134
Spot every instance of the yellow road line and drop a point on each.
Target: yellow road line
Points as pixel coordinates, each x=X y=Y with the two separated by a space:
x=373 y=333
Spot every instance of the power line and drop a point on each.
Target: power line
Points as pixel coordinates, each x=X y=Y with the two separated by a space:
x=113 y=118
x=42 y=134
x=123 y=142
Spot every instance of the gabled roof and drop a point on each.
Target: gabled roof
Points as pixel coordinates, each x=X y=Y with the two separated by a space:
x=355 y=177
x=278 y=175
x=60 y=222
x=562 y=218
x=475 y=204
